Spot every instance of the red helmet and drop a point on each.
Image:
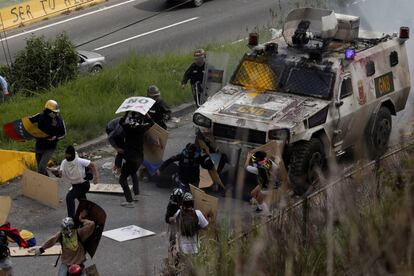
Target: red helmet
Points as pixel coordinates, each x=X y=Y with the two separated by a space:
x=75 y=270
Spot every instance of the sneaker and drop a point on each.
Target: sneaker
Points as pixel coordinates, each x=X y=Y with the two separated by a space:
x=127 y=204
x=135 y=198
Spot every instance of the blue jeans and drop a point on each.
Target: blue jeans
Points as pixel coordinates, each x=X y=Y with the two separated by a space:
x=63 y=270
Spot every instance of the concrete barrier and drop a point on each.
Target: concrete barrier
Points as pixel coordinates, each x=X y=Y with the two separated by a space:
x=36 y=10
x=13 y=163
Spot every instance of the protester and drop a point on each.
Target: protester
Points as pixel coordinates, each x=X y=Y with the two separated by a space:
x=72 y=240
x=189 y=162
x=266 y=171
x=116 y=137
x=50 y=122
x=73 y=170
x=173 y=206
x=160 y=111
x=189 y=222
x=134 y=127
x=5 y=263
x=195 y=73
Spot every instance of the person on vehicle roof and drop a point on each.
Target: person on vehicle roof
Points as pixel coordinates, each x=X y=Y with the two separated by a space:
x=72 y=240
x=195 y=73
x=50 y=122
x=189 y=162
x=160 y=112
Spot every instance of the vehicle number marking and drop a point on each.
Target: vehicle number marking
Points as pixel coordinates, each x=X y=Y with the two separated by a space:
x=384 y=84
x=249 y=110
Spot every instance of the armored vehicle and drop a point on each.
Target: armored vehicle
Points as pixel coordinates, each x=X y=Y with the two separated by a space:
x=321 y=86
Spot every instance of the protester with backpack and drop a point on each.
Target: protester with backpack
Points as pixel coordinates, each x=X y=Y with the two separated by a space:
x=189 y=222
x=77 y=171
x=116 y=137
x=71 y=239
x=189 y=162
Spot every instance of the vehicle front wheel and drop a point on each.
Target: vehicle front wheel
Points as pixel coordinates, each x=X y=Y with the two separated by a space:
x=379 y=133
x=307 y=159
x=198 y=3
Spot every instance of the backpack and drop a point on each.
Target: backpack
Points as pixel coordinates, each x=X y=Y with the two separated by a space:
x=188 y=222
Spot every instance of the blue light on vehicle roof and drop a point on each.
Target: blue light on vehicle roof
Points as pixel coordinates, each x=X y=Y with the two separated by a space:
x=350 y=53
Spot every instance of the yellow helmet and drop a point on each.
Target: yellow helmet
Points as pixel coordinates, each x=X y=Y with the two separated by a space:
x=52 y=105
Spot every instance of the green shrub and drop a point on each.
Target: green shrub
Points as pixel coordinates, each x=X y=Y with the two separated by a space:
x=43 y=64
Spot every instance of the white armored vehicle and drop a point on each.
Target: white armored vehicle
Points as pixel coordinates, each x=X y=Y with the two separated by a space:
x=321 y=86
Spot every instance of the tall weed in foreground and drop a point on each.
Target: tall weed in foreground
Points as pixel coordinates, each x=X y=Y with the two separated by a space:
x=357 y=228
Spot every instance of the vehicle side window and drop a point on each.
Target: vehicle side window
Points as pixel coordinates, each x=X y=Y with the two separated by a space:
x=370 y=67
x=81 y=59
x=393 y=58
x=346 y=88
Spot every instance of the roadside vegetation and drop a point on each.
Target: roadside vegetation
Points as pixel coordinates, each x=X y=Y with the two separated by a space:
x=88 y=102
x=363 y=226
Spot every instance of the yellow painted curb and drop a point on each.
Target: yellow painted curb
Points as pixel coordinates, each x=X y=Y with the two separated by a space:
x=35 y=10
x=13 y=163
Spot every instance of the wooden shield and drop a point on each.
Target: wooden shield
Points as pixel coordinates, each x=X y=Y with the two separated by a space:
x=96 y=214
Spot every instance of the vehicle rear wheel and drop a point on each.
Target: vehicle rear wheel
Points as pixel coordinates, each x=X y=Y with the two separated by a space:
x=379 y=133
x=198 y=3
x=307 y=158
x=96 y=69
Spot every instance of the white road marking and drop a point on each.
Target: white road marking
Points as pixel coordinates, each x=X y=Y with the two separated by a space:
x=69 y=19
x=144 y=34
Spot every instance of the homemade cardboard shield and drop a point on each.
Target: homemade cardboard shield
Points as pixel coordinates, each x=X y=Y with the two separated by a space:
x=106 y=188
x=137 y=104
x=214 y=75
x=154 y=144
x=208 y=178
x=5 y=205
x=40 y=188
x=23 y=130
x=204 y=202
x=127 y=233
x=96 y=214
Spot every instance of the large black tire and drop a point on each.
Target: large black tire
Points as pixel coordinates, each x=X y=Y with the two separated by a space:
x=305 y=159
x=379 y=132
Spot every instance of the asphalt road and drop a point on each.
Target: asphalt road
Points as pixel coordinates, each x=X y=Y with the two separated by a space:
x=181 y=29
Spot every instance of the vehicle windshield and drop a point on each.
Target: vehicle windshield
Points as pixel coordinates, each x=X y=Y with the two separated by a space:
x=280 y=76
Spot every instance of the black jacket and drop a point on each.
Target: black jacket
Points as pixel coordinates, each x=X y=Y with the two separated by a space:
x=194 y=73
x=189 y=168
x=172 y=208
x=50 y=126
x=160 y=113
x=134 y=139
x=116 y=134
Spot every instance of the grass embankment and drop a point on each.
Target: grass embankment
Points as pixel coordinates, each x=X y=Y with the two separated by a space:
x=89 y=102
x=364 y=226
